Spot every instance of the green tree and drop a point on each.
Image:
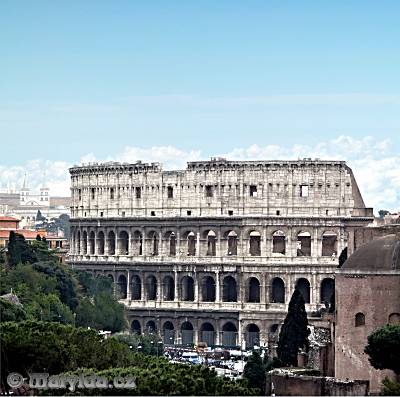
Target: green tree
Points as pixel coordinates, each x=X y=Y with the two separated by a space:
x=254 y=371
x=11 y=312
x=294 y=332
x=383 y=348
x=18 y=250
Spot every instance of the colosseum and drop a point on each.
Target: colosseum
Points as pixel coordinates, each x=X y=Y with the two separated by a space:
x=213 y=253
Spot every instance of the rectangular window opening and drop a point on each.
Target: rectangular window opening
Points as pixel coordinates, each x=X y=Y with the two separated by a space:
x=138 y=192
x=170 y=190
x=188 y=213
x=253 y=191
x=209 y=191
x=303 y=191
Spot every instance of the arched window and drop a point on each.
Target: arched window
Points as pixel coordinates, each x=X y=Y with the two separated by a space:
x=172 y=244
x=253 y=293
x=278 y=243
x=211 y=243
x=135 y=327
x=187 y=333
x=100 y=242
x=229 y=292
x=327 y=290
x=208 y=289
x=151 y=288
x=229 y=335
x=84 y=243
x=329 y=244
x=187 y=288
x=277 y=290
x=91 y=243
x=304 y=244
x=123 y=243
x=136 y=288
x=303 y=286
x=191 y=244
x=359 y=319
x=207 y=334
x=232 y=243
x=168 y=333
x=169 y=288
x=111 y=243
x=122 y=287
x=78 y=243
x=137 y=243
x=153 y=241
x=255 y=243
x=151 y=327
x=394 y=318
x=252 y=336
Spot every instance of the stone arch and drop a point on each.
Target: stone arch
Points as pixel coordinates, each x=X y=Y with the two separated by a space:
x=303 y=285
x=329 y=243
x=151 y=288
x=123 y=243
x=211 y=239
x=137 y=243
x=207 y=334
x=359 y=319
x=304 y=244
x=84 y=242
x=229 y=334
x=187 y=333
x=279 y=242
x=170 y=239
x=136 y=288
x=190 y=238
x=252 y=335
x=327 y=290
x=78 y=242
x=255 y=243
x=100 y=242
x=277 y=290
x=232 y=239
x=229 y=289
x=394 y=318
x=187 y=289
x=154 y=242
x=168 y=288
x=151 y=327
x=168 y=333
x=253 y=290
x=208 y=289
x=92 y=245
x=122 y=287
x=136 y=327
x=111 y=242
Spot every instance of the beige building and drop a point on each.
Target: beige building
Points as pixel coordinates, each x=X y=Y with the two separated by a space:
x=213 y=253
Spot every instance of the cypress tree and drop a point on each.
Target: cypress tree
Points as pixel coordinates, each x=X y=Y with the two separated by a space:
x=294 y=332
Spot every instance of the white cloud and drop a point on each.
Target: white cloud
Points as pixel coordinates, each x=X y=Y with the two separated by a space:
x=376 y=167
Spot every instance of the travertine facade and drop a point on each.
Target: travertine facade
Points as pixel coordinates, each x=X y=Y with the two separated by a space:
x=213 y=253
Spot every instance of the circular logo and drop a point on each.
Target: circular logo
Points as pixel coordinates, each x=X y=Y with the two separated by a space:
x=15 y=379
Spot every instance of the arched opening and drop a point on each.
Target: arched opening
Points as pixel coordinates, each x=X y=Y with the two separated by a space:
x=92 y=243
x=136 y=288
x=277 y=291
x=111 y=243
x=123 y=243
x=151 y=288
x=154 y=242
x=359 y=320
x=229 y=291
x=229 y=335
x=169 y=288
x=207 y=334
x=84 y=243
x=329 y=244
x=304 y=244
x=303 y=286
x=187 y=333
x=191 y=244
x=172 y=244
x=100 y=242
x=211 y=243
x=253 y=294
x=327 y=290
x=232 y=243
x=394 y=318
x=168 y=333
x=137 y=243
x=78 y=243
x=135 y=327
x=279 y=242
x=187 y=286
x=122 y=287
x=208 y=289
x=252 y=336
x=255 y=243
x=273 y=334
x=151 y=327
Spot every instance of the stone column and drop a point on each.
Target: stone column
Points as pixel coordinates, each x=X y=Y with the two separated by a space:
x=217 y=287
x=176 y=295
x=128 y=287
x=178 y=244
x=264 y=247
x=196 y=287
x=264 y=289
x=198 y=248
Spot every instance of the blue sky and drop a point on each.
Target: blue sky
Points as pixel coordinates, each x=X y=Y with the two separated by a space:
x=97 y=79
